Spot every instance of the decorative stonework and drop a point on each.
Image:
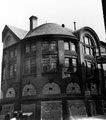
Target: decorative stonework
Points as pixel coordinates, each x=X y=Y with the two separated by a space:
x=28 y=90
x=10 y=93
x=51 y=88
x=73 y=88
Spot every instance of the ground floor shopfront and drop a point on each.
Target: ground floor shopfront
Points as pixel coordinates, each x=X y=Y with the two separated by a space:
x=51 y=109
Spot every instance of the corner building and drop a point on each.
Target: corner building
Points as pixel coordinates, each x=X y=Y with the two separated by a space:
x=51 y=72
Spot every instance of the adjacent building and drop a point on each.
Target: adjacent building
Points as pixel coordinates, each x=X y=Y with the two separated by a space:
x=52 y=72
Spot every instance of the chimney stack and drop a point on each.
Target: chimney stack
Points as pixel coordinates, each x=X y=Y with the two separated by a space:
x=75 y=26
x=33 y=22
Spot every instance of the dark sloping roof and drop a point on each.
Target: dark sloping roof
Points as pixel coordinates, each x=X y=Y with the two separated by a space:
x=20 y=33
x=50 y=29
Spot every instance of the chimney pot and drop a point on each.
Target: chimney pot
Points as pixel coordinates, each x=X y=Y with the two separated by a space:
x=33 y=22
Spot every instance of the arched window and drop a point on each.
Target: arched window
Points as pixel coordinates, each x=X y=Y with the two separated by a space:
x=73 y=88
x=10 y=93
x=51 y=88
x=28 y=90
x=88 y=45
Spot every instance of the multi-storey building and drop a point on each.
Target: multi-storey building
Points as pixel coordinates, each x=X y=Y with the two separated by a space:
x=51 y=72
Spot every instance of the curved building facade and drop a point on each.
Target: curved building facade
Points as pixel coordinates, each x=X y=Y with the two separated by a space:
x=51 y=73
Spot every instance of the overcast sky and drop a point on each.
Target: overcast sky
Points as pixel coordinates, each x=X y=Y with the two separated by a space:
x=84 y=12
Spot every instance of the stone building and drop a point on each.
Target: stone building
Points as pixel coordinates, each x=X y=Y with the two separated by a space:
x=51 y=73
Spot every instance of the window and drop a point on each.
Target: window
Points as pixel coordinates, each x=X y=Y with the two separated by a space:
x=27 y=49
x=49 y=63
x=29 y=65
x=73 y=47
x=104 y=69
x=33 y=47
x=70 y=64
x=30 y=48
x=45 y=45
x=13 y=52
x=68 y=45
x=12 y=70
x=89 y=68
x=49 y=45
x=87 y=46
x=4 y=73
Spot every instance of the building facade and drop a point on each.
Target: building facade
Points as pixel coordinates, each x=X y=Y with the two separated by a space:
x=51 y=73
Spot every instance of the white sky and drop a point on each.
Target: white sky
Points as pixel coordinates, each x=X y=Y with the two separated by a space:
x=84 y=12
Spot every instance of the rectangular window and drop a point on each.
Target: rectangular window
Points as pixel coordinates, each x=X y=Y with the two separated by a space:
x=49 y=63
x=30 y=48
x=33 y=65
x=86 y=40
x=74 y=63
x=27 y=66
x=70 y=65
x=91 y=51
x=11 y=54
x=73 y=47
x=27 y=48
x=15 y=69
x=90 y=67
x=87 y=50
x=66 y=46
x=53 y=45
x=45 y=45
x=12 y=70
x=33 y=47
x=30 y=65
x=15 y=52
x=49 y=45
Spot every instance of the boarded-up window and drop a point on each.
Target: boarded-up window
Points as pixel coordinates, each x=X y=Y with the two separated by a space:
x=51 y=110
x=76 y=108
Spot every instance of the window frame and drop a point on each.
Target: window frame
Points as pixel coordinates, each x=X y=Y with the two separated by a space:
x=12 y=70
x=30 y=48
x=69 y=46
x=71 y=65
x=47 y=45
x=88 y=46
x=50 y=58
x=29 y=68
